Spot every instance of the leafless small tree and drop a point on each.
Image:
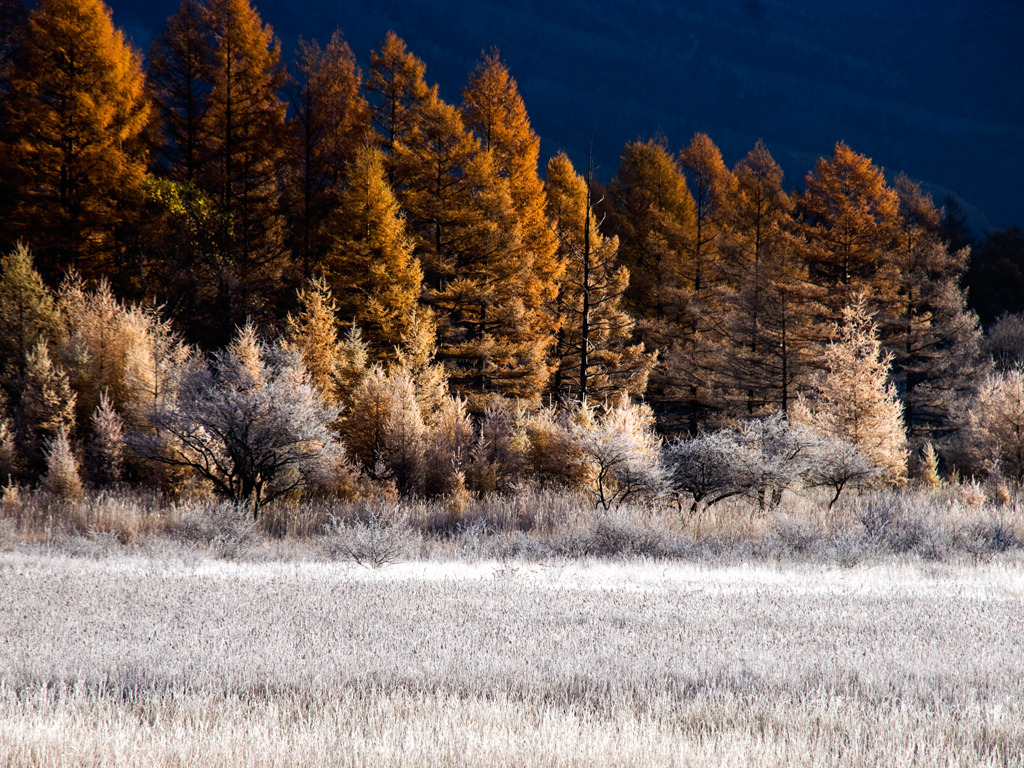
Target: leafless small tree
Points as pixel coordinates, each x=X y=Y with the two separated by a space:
x=836 y=463
x=249 y=421
x=778 y=456
x=624 y=453
x=708 y=468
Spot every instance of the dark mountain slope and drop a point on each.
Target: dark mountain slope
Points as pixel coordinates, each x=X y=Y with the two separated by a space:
x=934 y=89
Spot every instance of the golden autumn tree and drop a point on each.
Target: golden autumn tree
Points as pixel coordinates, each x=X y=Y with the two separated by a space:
x=594 y=357
x=711 y=183
x=691 y=370
x=854 y=399
x=494 y=110
x=370 y=265
x=767 y=334
x=849 y=216
x=313 y=331
x=653 y=213
x=72 y=121
x=330 y=123
x=478 y=273
x=244 y=134
x=398 y=89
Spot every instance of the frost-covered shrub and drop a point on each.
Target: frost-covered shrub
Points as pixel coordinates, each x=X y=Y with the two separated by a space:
x=708 y=468
x=104 y=457
x=997 y=424
x=384 y=429
x=624 y=454
x=449 y=447
x=62 y=480
x=496 y=464
x=778 y=455
x=551 y=452
x=836 y=464
x=248 y=421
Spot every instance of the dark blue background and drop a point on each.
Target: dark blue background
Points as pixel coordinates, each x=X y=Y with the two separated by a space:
x=935 y=89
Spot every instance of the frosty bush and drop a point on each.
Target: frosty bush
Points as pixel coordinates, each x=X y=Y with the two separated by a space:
x=708 y=468
x=836 y=464
x=248 y=421
x=384 y=429
x=62 y=480
x=624 y=454
x=997 y=419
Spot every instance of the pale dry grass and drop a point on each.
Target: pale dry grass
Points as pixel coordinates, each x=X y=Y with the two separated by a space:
x=955 y=523
x=190 y=661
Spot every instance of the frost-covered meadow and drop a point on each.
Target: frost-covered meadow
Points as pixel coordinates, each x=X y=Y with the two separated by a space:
x=182 y=660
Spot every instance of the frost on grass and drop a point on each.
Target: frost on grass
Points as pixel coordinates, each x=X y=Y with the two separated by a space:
x=554 y=663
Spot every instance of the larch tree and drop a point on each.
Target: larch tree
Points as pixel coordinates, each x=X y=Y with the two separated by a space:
x=935 y=340
x=653 y=214
x=104 y=460
x=477 y=270
x=692 y=367
x=766 y=334
x=179 y=77
x=849 y=216
x=398 y=89
x=73 y=121
x=370 y=265
x=854 y=400
x=46 y=408
x=494 y=110
x=595 y=358
x=62 y=480
x=710 y=181
x=996 y=420
x=313 y=331
x=330 y=123
x=384 y=429
x=28 y=314
x=97 y=345
x=244 y=137
x=156 y=354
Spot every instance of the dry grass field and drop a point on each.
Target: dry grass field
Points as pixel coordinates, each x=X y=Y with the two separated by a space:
x=175 y=658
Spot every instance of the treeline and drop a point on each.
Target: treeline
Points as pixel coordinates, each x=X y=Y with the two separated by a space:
x=389 y=240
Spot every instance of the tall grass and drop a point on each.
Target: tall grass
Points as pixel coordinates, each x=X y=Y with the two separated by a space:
x=955 y=522
x=157 y=661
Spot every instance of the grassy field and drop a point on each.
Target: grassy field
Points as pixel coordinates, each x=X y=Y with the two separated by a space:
x=179 y=659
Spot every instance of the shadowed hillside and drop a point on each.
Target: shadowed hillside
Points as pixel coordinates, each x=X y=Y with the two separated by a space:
x=922 y=87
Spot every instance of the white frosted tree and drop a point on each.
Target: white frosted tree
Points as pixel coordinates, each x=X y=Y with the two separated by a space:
x=104 y=458
x=249 y=421
x=997 y=424
x=854 y=400
x=62 y=480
